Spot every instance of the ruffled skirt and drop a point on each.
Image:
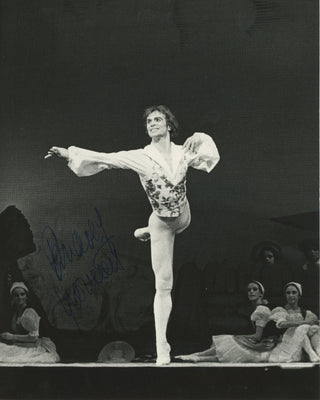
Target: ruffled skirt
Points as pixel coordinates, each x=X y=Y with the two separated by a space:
x=43 y=351
x=241 y=349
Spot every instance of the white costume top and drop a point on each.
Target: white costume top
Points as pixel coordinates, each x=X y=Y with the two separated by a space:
x=281 y=314
x=29 y=321
x=261 y=316
x=165 y=187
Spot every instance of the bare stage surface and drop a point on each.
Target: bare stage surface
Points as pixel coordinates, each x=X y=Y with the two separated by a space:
x=171 y=365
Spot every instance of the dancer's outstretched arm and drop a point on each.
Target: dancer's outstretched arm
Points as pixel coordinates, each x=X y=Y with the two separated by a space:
x=86 y=162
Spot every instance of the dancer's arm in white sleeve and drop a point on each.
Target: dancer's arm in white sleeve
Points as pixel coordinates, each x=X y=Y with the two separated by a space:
x=86 y=162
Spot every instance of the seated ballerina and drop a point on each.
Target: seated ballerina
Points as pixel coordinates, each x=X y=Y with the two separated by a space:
x=24 y=344
x=301 y=329
x=241 y=348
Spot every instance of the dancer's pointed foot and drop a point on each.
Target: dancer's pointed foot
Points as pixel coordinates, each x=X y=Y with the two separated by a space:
x=182 y=357
x=142 y=234
x=163 y=354
x=189 y=358
x=163 y=359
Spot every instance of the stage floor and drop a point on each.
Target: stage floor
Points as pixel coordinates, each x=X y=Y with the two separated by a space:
x=101 y=381
x=300 y=365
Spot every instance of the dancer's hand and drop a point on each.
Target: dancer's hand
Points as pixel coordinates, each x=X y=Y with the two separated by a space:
x=58 y=152
x=192 y=143
x=254 y=338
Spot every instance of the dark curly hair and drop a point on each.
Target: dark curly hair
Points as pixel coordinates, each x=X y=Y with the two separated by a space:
x=272 y=250
x=267 y=245
x=170 y=118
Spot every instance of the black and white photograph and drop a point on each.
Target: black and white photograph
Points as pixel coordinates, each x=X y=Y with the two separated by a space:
x=159 y=208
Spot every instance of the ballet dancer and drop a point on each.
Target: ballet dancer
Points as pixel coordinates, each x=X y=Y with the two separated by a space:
x=162 y=167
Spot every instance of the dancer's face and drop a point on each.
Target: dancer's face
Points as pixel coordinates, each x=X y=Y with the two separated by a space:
x=19 y=297
x=157 y=124
x=268 y=257
x=254 y=293
x=292 y=295
x=313 y=255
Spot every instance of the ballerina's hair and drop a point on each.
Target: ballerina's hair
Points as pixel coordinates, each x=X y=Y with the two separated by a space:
x=172 y=121
x=260 y=286
x=20 y=285
x=296 y=285
x=261 y=290
x=17 y=285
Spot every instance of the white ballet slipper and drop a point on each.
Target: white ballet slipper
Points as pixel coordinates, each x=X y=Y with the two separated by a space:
x=163 y=360
x=182 y=357
x=163 y=354
x=190 y=358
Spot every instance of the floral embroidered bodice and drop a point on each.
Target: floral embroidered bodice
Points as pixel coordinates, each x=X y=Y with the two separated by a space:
x=166 y=198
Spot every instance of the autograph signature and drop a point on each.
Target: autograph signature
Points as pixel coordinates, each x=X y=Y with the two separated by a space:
x=105 y=261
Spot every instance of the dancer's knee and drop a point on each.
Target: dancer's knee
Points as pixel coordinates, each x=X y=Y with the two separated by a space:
x=163 y=275
x=163 y=285
x=314 y=329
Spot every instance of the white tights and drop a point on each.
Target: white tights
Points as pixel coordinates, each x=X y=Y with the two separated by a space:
x=162 y=234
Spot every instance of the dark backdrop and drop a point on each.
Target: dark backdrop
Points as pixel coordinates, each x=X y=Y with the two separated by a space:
x=81 y=72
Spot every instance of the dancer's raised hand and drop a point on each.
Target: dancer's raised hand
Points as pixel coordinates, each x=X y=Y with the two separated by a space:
x=60 y=152
x=192 y=143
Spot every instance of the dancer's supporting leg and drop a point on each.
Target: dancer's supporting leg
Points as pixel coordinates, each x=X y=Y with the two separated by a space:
x=162 y=243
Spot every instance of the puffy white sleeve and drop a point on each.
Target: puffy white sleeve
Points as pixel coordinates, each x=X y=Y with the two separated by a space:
x=261 y=316
x=86 y=162
x=206 y=156
x=278 y=315
x=30 y=321
x=311 y=318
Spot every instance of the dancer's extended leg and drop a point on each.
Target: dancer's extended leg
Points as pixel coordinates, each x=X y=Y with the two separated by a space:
x=196 y=359
x=162 y=243
x=202 y=356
